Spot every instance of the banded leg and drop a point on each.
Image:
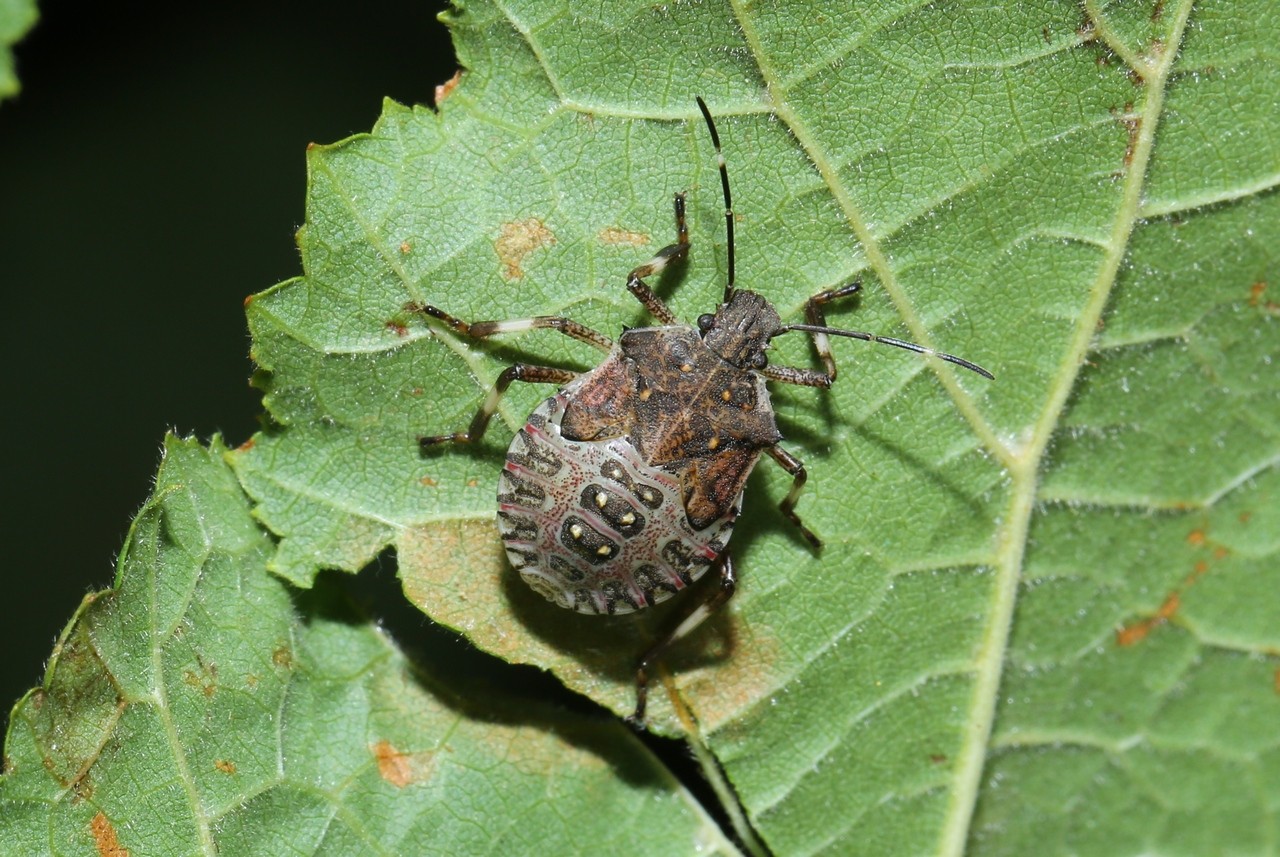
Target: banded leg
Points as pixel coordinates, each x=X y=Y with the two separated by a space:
x=728 y=583
x=814 y=314
x=485 y=329
x=792 y=375
x=516 y=372
x=672 y=252
x=795 y=467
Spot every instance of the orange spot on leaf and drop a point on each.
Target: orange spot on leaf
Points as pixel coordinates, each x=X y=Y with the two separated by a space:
x=405 y=247
x=247 y=445
x=225 y=766
x=1136 y=632
x=104 y=837
x=516 y=241
x=393 y=766
x=446 y=89
x=1195 y=537
x=1255 y=293
x=427 y=481
x=614 y=235
x=1133 y=634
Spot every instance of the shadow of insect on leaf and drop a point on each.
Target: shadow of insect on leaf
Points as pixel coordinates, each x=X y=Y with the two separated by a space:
x=607 y=649
x=475 y=686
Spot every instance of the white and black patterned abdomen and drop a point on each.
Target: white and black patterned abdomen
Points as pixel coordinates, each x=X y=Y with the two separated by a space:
x=593 y=528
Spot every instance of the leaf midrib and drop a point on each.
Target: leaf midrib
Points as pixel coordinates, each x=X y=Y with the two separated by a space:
x=1027 y=463
x=1022 y=462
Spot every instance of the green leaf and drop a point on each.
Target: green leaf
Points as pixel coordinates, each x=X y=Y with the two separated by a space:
x=16 y=18
x=1044 y=618
x=197 y=709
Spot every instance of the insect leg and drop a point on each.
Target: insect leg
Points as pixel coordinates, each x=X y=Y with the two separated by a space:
x=791 y=375
x=717 y=599
x=485 y=329
x=795 y=467
x=814 y=314
x=517 y=372
x=672 y=252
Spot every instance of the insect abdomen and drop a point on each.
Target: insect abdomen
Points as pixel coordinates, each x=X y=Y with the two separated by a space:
x=593 y=528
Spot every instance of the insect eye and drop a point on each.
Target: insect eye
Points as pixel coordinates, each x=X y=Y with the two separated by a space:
x=705 y=321
x=759 y=360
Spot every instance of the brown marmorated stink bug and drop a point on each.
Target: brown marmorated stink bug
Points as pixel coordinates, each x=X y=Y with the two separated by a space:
x=622 y=488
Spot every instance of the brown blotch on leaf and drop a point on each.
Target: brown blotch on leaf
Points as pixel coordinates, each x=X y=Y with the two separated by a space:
x=282 y=656
x=405 y=247
x=444 y=90
x=206 y=681
x=398 y=328
x=623 y=237
x=225 y=766
x=393 y=766
x=427 y=481
x=1255 y=293
x=516 y=241
x=104 y=837
x=247 y=445
x=1196 y=537
x=1132 y=123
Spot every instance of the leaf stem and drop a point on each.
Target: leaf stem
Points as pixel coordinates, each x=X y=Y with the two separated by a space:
x=711 y=770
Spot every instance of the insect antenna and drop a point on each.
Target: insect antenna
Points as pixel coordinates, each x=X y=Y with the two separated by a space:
x=728 y=198
x=887 y=340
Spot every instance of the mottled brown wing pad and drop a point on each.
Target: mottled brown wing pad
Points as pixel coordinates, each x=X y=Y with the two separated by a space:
x=593 y=528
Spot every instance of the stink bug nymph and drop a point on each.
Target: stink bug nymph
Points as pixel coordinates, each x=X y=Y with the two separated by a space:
x=623 y=487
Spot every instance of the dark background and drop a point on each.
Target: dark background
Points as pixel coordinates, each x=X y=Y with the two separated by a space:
x=151 y=176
